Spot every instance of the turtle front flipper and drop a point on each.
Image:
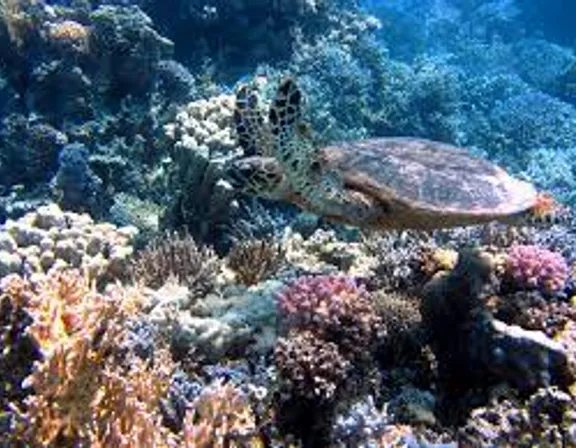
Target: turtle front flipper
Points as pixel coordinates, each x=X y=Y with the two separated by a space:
x=294 y=147
x=253 y=135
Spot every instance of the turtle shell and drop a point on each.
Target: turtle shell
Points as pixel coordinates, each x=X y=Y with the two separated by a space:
x=424 y=180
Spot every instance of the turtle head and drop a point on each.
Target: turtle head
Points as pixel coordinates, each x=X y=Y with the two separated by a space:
x=259 y=176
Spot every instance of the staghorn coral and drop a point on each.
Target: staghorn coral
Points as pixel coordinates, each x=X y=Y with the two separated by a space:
x=334 y=308
x=81 y=392
x=179 y=257
x=255 y=260
x=533 y=267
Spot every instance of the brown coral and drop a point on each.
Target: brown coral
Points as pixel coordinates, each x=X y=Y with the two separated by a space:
x=255 y=260
x=220 y=417
x=175 y=256
x=310 y=367
x=401 y=322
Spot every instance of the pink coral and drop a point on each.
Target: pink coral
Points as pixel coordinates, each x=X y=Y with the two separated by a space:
x=333 y=307
x=534 y=267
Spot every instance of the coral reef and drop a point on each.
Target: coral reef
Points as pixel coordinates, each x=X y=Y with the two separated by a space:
x=324 y=252
x=334 y=308
x=242 y=322
x=309 y=367
x=546 y=418
x=480 y=350
x=19 y=350
x=177 y=257
x=220 y=416
x=253 y=261
x=535 y=267
x=77 y=331
x=203 y=140
x=50 y=239
x=75 y=184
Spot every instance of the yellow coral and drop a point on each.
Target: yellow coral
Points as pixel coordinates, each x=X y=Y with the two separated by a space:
x=70 y=34
x=438 y=259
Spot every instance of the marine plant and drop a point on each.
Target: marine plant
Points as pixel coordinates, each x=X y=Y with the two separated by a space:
x=254 y=260
x=176 y=256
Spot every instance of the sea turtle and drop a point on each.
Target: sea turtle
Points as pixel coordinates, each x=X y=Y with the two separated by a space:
x=376 y=183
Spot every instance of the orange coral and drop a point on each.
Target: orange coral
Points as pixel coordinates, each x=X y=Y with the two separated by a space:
x=82 y=392
x=437 y=259
x=70 y=34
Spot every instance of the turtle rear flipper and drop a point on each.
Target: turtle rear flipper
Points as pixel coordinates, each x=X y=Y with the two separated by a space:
x=253 y=136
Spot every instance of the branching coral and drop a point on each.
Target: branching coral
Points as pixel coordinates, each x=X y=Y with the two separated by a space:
x=255 y=260
x=81 y=392
x=18 y=349
x=334 y=308
x=531 y=266
x=176 y=256
x=310 y=368
x=401 y=321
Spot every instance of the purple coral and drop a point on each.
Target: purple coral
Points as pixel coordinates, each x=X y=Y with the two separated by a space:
x=534 y=267
x=334 y=307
